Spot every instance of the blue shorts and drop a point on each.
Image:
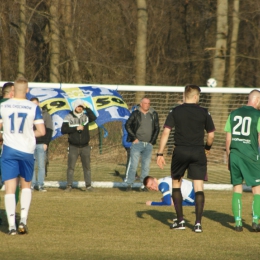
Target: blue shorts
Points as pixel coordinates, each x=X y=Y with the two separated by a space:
x=15 y=163
x=14 y=168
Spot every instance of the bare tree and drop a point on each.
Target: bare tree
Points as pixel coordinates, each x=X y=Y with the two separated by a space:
x=22 y=39
x=67 y=20
x=233 y=45
x=4 y=41
x=141 y=45
x=113 y=42
x=219 y=63
x=54 y=40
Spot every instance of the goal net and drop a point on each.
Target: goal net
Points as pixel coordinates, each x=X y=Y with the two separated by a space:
x=219 y=101
x=108 y=156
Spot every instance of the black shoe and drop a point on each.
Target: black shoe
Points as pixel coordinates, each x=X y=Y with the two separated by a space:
x=12 y=232
x=42 y=189
x=197 y=228
x=176 y=225
x=1 y=221
x=238 y=228
x=129 y=188
x=144 y=189
x=116 y=173
x=68 y=188
x=23 y=229
x=255 y=227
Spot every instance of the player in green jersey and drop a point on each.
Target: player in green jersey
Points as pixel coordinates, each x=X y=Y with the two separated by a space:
x=242 y=142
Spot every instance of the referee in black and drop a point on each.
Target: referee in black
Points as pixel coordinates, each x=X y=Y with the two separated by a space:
x=190 y=153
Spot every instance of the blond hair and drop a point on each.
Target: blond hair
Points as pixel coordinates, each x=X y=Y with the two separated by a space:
x=21 y=84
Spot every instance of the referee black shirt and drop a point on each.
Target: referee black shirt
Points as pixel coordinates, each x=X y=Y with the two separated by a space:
x=190 y=121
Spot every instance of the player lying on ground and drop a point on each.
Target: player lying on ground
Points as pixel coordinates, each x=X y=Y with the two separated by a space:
x=164 y=185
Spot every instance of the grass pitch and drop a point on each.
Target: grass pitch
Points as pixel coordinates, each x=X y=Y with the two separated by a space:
x=114 y=224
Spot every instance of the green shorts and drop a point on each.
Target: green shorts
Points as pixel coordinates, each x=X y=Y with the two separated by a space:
x=244 y=169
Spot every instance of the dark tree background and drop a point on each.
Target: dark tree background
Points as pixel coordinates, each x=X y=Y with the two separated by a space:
x=181 y=40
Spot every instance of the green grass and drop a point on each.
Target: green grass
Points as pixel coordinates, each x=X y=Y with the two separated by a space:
x=113 y=224
x=104 y=170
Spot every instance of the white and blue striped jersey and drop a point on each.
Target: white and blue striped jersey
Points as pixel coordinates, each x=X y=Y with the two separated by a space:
x=17 y=117
x=165 y=187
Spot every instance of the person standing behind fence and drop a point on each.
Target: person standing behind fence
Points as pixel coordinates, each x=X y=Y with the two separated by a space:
x=18 y=116
x=143 y=128
x=242 y=141
x=42 y=144
x=190 y=121
x=76 y=125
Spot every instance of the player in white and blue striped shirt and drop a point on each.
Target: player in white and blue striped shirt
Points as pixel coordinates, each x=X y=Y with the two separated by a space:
x=164 y=185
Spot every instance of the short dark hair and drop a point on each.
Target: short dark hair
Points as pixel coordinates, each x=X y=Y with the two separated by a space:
x=34 y=99
x=7 y=88
x=146 y=179
x=191 y=90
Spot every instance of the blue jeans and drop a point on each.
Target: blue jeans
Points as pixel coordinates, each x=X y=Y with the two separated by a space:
x=143 y=150
x=40 y=156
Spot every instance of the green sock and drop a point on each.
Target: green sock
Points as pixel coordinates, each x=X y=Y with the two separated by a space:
x=256 y=208
x=17 y=192
x=237 y=208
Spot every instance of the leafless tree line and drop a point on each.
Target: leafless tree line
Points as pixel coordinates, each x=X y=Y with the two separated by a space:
x=144 y=42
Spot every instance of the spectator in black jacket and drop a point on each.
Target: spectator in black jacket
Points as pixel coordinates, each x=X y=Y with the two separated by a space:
x=42 y=144
x=76 y=125
x=143 y=128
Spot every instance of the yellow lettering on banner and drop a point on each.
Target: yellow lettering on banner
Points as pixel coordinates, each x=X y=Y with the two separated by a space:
x=102 y=102
x=55 y=104
x=92 y=126
x=73 y=92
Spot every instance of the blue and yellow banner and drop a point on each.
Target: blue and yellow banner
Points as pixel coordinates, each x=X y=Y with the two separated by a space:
x=107 y=104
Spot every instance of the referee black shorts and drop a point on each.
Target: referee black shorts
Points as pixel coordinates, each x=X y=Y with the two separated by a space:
x=191 y=158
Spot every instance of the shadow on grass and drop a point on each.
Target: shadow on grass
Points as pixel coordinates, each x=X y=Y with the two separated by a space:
x=3 y=226
x=4 y=222
x=224 y=219
x=163 y=217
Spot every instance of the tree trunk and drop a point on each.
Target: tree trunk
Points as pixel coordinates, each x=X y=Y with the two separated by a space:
x=54 y=41
x=218 y=71
x=22 y=37
x=67 y=20
x=233 y=45
x=141 y=44
x=6 y=67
